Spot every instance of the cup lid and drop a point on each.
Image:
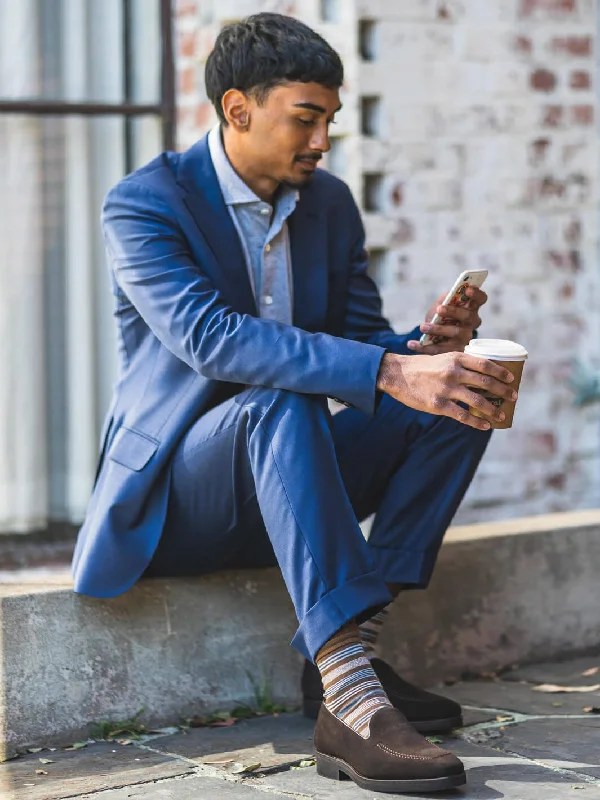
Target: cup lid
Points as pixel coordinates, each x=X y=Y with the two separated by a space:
x=499 y=349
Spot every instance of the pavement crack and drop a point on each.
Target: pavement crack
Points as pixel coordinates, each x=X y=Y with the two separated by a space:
x=568 y=773
x=516 y=718
x=117 y=787
x=198 y=767
x=208 y=771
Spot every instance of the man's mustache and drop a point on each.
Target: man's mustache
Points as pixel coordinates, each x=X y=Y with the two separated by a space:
x=310 y=157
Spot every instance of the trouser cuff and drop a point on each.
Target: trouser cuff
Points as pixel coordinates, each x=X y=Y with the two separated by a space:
x=338 y=607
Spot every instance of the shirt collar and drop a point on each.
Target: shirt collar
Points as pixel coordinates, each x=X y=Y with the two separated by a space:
x=234 y=190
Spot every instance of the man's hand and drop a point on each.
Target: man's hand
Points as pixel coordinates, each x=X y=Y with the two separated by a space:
x=436 y=384
x=457 y=325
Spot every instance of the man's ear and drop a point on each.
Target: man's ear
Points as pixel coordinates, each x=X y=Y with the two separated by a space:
x=236 y=110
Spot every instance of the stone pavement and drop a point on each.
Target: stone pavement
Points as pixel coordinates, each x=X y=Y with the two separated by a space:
x=527 y=735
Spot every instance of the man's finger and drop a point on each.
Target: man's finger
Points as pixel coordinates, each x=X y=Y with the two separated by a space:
x=479 y=402
x=478 y=296
x=486 y=367
x=461 y=414
x=447 y=331
x=491 y=386
x=455 y=312
x=425 y=350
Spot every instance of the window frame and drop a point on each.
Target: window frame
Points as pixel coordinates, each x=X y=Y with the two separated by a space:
x=165 y=109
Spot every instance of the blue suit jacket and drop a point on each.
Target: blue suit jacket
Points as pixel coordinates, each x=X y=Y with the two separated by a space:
x=189 y=337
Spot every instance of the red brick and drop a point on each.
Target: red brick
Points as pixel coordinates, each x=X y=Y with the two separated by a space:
x=574 y=262
x=569 y=261
x=557 y=481
x=187 y=44
x=541 y=443
x=542 y=80
x=580 y=79
x=578 y=46
x=528 y=8
x=398 y=194
x=582 y=115
x=550 y=187
x=566 y=291
x=573 y=232
x=523 y=45
x=553 y=116
x=187 y=80
x=443 y=12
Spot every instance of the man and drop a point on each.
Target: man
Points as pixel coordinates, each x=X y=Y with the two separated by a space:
x=243 y=302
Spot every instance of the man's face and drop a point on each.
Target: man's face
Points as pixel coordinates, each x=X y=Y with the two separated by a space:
x=288 y=134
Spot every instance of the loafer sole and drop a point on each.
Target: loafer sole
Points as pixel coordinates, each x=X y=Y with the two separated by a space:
x=310 y=709
x=337 y=769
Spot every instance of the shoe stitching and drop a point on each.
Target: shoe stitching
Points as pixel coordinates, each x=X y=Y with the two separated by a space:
x=391 y=752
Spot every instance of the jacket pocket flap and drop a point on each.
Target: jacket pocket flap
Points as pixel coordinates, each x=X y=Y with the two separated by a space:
x=132 y=449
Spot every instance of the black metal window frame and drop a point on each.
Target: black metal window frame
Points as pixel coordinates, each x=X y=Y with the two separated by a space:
x=128 y=109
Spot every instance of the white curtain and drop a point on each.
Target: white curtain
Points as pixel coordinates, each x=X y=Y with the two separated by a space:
x=23 y=472
x=57 y=337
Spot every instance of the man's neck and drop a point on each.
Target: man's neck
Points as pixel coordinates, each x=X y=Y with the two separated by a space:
x=263 y=187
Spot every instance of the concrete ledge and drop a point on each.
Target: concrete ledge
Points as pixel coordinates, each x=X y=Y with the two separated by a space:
x=520 y=590
x=517 y=591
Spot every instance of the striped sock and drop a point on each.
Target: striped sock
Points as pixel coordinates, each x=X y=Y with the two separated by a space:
x=370 y=630
x=351 y=689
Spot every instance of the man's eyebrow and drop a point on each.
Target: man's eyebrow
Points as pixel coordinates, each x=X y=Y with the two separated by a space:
x=313 y=107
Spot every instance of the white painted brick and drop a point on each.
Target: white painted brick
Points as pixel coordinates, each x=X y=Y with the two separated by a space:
x=492 y=43
x=497 y=155
x=507 y=79
x=412 y=157
x=464 y=80
x=486 y=13
x=412 y=121
x=378 y=229
x=406 y=43
x=237 y=9
x=433 y=193
x=374 y=154
x=393 y=10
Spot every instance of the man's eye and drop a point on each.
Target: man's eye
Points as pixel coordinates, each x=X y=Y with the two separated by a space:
x=306 y=122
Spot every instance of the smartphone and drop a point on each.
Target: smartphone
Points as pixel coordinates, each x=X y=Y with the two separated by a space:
x=457 y=297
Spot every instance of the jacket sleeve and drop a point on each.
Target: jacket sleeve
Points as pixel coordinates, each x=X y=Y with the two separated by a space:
x=364 y=320
x=155 y=270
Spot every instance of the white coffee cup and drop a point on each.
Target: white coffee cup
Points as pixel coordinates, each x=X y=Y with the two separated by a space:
x=511 y=356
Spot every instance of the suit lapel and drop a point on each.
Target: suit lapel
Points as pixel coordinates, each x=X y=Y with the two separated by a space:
x=308 y=242
x=203 y=198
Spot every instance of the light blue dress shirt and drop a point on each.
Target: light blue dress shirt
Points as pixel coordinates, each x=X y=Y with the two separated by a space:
x=263 y=233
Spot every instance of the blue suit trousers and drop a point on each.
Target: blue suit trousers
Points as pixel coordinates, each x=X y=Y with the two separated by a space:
x=272 y=477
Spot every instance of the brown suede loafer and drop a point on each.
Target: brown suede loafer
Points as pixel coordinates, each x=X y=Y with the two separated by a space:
x=427 y=712
x=395 y=758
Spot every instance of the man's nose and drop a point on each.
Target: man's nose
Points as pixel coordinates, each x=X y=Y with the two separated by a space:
x=320 y=139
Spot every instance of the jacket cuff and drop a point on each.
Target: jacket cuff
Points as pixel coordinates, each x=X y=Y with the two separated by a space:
x=362 y=392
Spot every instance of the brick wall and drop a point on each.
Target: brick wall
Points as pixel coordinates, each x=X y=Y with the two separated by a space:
x=469 y=132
